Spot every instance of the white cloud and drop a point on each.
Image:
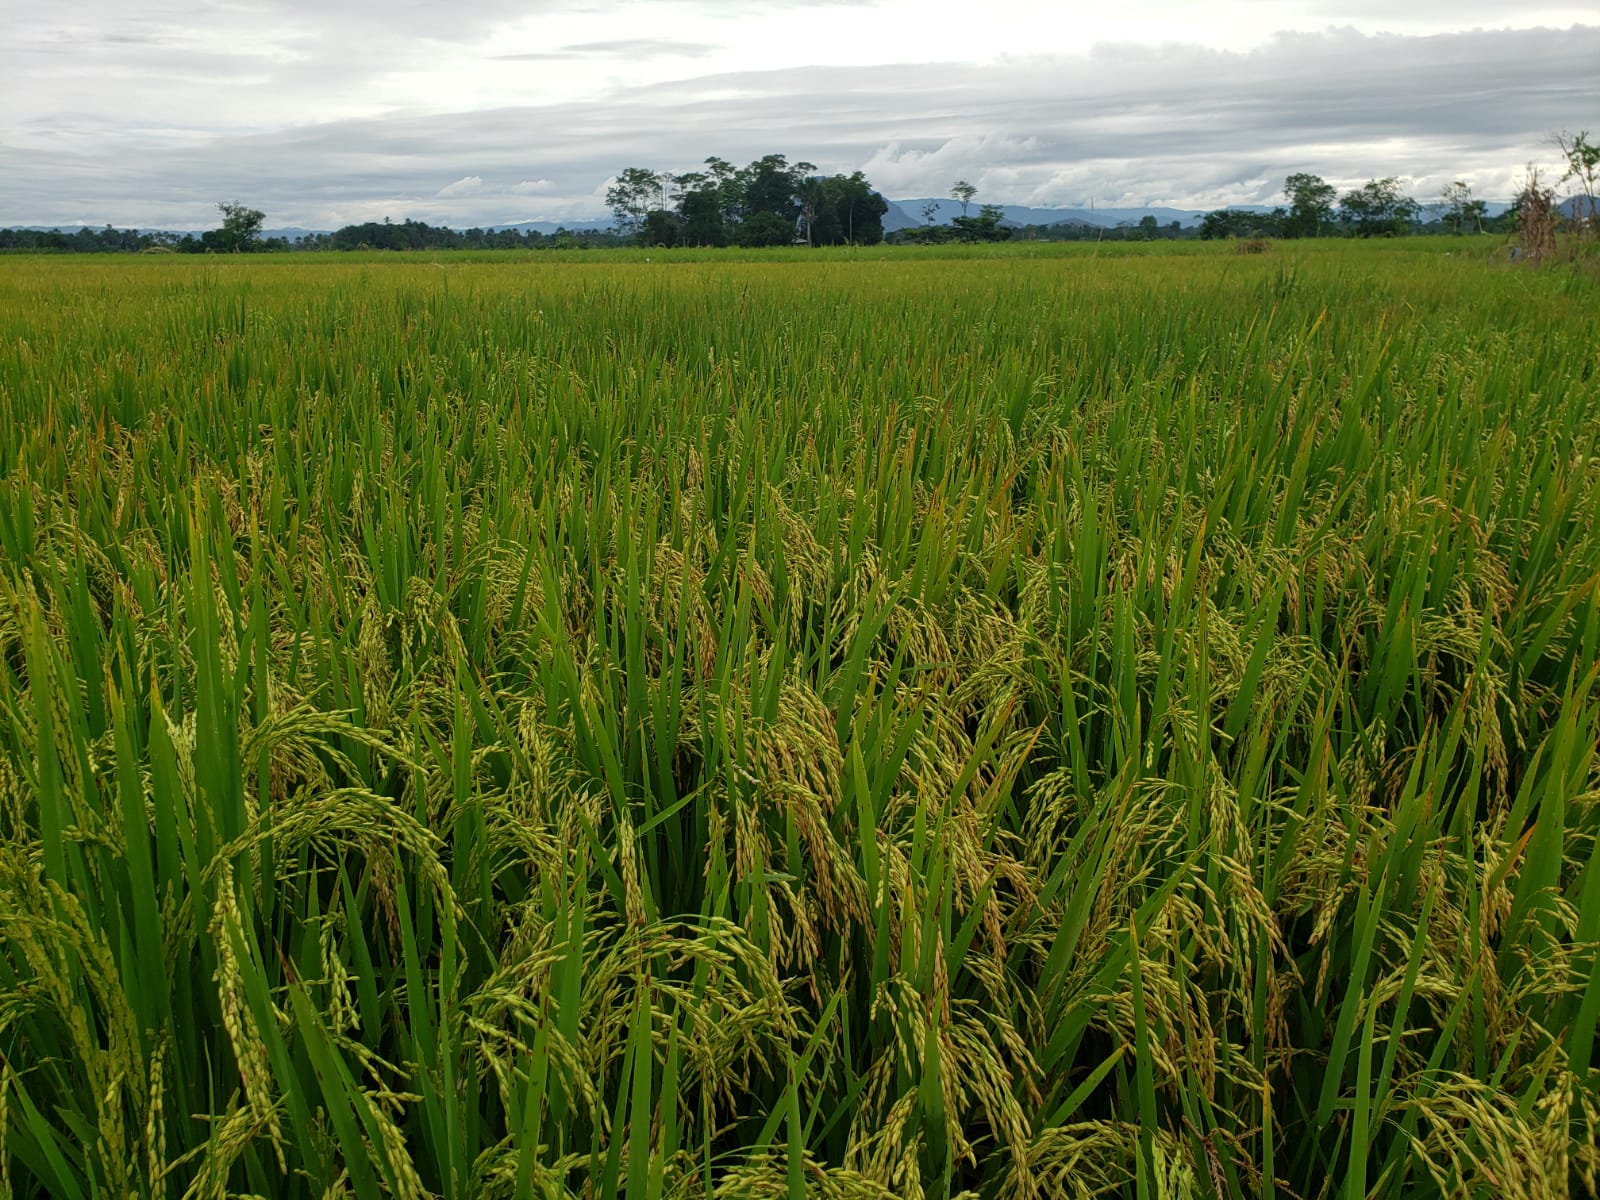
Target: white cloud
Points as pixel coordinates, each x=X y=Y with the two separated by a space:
x=981 y=159
x=464 y=186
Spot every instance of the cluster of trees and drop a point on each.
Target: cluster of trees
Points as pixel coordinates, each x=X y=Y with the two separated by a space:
x=771 y=202
x=1379 y=208
x=240 y=233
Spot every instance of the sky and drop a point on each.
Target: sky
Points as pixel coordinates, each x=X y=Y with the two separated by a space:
x=328 y=112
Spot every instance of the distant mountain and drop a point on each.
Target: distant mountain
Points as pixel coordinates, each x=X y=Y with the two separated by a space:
x=907 y=214
x=1576 y=206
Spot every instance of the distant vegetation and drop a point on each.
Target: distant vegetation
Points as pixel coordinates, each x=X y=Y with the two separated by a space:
x=416 y=235
x=372 y=235
x=772 y=202
x=1379 y=208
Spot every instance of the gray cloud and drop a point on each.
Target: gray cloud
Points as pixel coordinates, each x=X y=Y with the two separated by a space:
x=1125 y=124
x=1461 y=12
x=644 y=47
x=634 y=48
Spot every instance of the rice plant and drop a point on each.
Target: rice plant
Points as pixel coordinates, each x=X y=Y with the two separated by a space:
x=1011 y=725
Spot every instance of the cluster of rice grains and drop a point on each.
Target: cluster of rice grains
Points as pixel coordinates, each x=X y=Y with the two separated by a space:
x=1015 y=727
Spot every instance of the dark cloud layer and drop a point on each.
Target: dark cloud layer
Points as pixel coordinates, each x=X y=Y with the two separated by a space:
x=1122 y=125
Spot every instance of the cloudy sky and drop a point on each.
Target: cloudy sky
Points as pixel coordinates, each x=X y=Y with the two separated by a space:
x=325 y=112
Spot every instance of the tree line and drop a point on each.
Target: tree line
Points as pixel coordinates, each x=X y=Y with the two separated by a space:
x=418 y=235
x=241 y=233
x=773 y=202
x=1379 y=208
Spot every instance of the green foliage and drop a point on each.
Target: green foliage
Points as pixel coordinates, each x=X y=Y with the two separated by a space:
x=769 y=203
x=1240 y=223
x=842 y=210
x=662 y=228
x=241 y=229
x=82 y=240
x=963 y=192
x=1377 y=208
x=985 y=227
x=1011 y=723
x=701 y=206
x=1311 y=201
x=631 y=197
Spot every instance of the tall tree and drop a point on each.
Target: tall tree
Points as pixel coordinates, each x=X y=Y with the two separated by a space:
x=964 y=192
x=241 y=228
x=631 y=197
x=729 y=185
x=812 y=192
x=1310 y=204
x=1581 y=163
x=1461 y=211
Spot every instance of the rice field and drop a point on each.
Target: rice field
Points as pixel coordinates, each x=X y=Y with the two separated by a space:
x=1011 y=725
